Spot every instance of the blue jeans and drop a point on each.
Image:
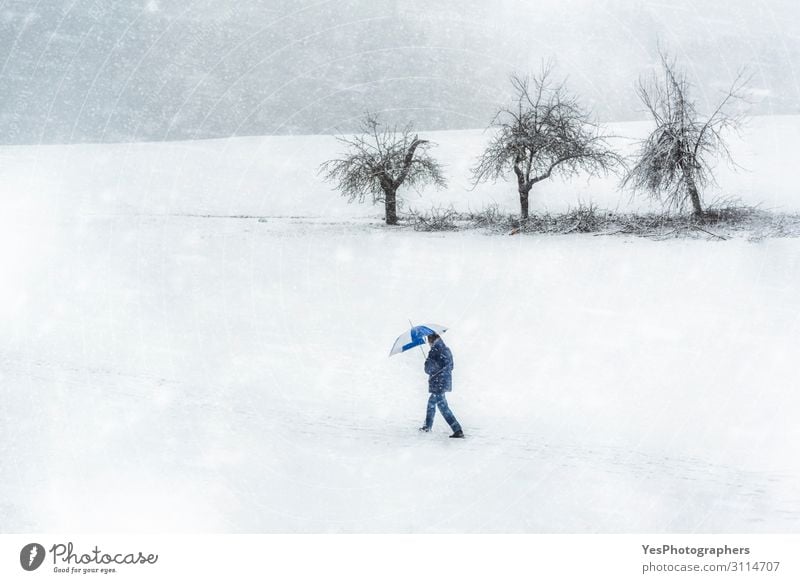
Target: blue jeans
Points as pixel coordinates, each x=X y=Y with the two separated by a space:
x=438 y=399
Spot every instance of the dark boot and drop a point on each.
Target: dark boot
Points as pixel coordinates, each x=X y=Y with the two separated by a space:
x=458 y=434
x=425 y=429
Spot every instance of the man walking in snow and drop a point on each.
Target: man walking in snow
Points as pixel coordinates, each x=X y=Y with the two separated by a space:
x=439 y=367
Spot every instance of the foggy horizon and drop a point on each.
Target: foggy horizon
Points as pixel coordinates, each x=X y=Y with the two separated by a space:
x=94 y=71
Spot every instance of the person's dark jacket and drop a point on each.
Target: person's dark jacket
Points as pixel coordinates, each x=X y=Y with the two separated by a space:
x=439 y=367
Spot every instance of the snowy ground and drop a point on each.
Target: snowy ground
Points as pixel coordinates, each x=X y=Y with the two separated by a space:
x=163 y=372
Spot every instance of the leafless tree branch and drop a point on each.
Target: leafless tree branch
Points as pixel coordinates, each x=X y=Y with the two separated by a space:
x=674 y=163
x=379 y=161
x=544 y=131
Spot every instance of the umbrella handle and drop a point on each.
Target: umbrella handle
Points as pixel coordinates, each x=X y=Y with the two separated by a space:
x=422 y=350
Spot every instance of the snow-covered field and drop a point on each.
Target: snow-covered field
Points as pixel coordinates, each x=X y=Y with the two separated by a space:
x=168 y=364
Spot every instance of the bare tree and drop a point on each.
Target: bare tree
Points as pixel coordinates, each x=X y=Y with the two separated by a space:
x=380 y=160
x=674 y=162
x=545 y=131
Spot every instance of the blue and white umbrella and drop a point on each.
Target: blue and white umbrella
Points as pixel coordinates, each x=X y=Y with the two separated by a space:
x=415 y=337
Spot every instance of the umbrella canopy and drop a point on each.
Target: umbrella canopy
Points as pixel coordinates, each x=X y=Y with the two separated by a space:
x=415 y=337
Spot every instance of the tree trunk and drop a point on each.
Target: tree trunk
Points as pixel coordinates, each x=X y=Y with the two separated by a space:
x=391 y=207
x=523 y=203
x=693 y=194
x=524 y=188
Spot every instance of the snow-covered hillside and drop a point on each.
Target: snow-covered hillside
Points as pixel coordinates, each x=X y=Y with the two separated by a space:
x=165 y=370
x=277 y=176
